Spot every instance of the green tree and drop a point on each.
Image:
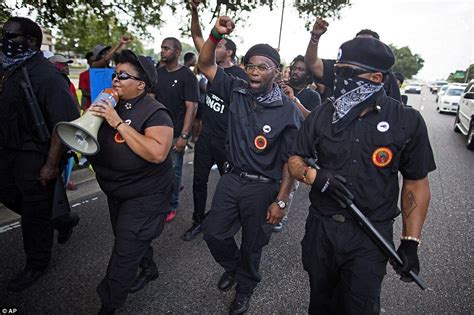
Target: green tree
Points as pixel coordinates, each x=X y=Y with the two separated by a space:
x=74 y=37
x=139 y=14
x=406 y=62
x=468 y=75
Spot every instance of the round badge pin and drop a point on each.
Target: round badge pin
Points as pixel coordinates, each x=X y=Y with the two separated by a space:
x=383 y=126
x=260 y=142
x=267 y=128
x=382 y=156
x=118 y=138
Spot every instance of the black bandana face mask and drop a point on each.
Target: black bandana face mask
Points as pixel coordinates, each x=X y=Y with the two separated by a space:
x=349 y=92
x=11 y=49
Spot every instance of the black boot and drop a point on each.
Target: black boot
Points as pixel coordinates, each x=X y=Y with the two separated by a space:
x=106 y=311
x=193 y=232
x=240 y=304
x=65 y=228
x=149 y=272
x=24 y=279
x=226 y=281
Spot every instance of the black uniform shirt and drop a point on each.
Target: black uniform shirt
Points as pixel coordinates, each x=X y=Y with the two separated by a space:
x=54 y=97
x=259 y=136
x=390 y=85
x=309 y=98
x=216 y=110
x=173 y=90
x=368 y=152
x=121 y=173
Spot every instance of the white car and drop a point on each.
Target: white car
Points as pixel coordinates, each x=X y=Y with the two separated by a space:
x=464 y=122
x=441 y=92
x=449 y=102
x=413 y=88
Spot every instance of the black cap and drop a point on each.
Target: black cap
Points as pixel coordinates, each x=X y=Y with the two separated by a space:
x=263 y=50
x=150 y=71
x=368 y=53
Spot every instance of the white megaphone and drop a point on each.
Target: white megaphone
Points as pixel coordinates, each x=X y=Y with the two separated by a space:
x=81 y=134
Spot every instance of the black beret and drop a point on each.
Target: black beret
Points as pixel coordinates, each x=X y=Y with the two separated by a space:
x=264 y=50
x=149 y=69
x=368 y=53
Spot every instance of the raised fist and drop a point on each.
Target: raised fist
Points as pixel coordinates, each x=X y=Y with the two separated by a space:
x=125 y=40
x=320 y=26
x=224 y=25
x=194 y=4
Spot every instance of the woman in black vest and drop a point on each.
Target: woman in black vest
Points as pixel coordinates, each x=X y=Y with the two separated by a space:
x=136 y=174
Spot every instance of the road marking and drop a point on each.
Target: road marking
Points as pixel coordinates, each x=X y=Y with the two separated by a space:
x=17 y=224
x=9 y=227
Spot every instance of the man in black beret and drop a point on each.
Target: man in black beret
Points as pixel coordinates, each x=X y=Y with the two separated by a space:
x=322 y=69
x=352 y=148
x=253 y=192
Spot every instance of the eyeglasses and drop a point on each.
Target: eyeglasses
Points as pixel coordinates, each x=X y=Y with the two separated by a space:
x=261 y=67
x=349 y=72
x=10 y=35
x=124 y=76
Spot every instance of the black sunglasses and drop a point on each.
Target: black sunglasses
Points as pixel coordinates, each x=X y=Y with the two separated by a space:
x=10 y=35
x=124 y=76
x=349 y=72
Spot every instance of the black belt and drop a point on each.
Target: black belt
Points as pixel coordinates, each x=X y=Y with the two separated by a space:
x=251 y=177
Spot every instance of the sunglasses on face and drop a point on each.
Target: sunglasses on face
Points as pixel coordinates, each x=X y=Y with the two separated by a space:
x=10 y=35
x=349 y=72
x=260 y=68
x=124 y=76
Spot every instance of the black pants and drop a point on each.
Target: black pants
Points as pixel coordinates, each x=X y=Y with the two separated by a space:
x=345 y=266
x=207 y=151
x=240 y=203
x=135 y=223
x=21 y=192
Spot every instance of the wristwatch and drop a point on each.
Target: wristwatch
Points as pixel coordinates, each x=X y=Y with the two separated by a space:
x=184 y=135
x=281 y=204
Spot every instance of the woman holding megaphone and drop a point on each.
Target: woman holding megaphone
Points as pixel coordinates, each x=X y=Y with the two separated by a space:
x=135 y=172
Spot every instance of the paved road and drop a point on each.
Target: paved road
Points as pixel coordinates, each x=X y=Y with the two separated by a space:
x=188 y=274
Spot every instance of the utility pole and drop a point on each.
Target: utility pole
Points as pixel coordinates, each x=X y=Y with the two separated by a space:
x=281 y=24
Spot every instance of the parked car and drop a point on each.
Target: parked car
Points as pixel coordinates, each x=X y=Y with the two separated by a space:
x=413 y=87
x=464 y=122
x=435 y=87
x=441 y=92
x=449 y=101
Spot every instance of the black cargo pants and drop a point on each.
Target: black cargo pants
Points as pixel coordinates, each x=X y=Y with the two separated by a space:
x=135 y=223
x=21 y=191
x=240 y=203
x=207 y=151
x=345 y=266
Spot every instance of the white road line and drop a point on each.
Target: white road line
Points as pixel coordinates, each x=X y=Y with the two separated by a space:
x=17 y=224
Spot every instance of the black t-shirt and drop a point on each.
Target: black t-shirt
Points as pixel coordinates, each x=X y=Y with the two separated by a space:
x=216 y=115
x=259 y=136
x=17 y=127
x=309 y=98
x=368 y=152
x=121 y=173
x=173 y=90
x=390 y=84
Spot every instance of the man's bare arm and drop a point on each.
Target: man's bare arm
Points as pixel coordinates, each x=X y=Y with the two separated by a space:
x=196 y=32
x=415 y=200
x=311 y=59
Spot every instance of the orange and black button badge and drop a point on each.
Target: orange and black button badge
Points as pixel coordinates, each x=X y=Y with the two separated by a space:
x=260 y=142
x=118 y=138
x=382 y=156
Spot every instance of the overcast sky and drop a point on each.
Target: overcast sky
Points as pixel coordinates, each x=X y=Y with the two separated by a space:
x=440 y=31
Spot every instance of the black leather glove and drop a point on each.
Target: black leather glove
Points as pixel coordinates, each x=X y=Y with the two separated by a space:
x=334 y=185
x=408 y=252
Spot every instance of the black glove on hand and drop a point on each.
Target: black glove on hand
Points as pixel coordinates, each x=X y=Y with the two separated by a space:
x=334 y=185
x=408 y=252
